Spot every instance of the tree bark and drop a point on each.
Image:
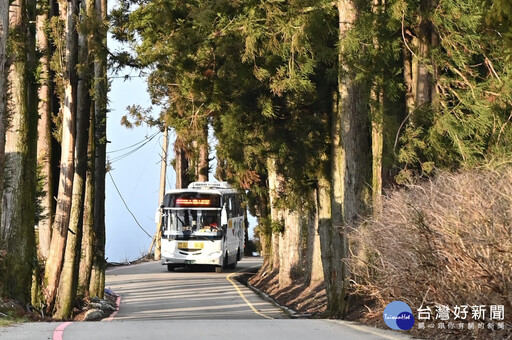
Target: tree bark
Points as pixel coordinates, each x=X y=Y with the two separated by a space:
x=289 y=248
x=181 y=164
x=410 y=77
x=55 y=260
x=97 y=283
x=377 y=114
x=350 y=171
x=354 y=130
x=316 y=271
x=332 y=247
x=67 y=289
x=86 y=255
x=18 y=208
x=265 y=237
x=84 y=272
x=44 y=142
x=204 y=154
x=377 y=145
x=4 y=35
x=275 y=213
x=426 y=71
x=424 y=77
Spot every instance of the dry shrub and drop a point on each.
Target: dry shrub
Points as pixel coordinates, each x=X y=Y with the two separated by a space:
x=447 y=241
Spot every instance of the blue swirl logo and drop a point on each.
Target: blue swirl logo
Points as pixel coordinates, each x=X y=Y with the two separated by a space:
x=398 y=316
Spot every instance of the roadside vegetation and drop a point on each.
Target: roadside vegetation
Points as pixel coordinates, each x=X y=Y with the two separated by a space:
x=444 y=241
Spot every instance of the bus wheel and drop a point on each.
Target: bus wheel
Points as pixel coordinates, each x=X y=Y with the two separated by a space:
x=233 y=265
x=226 y=263
x=170 y=267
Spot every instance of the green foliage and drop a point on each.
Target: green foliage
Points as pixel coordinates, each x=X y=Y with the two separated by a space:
x=277 y=226
x=468 y=120
x=263 y=74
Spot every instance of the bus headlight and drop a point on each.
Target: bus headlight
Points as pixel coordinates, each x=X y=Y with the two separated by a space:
x=215 y=254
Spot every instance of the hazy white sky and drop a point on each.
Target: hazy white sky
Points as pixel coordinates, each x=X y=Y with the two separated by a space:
x=136 y=171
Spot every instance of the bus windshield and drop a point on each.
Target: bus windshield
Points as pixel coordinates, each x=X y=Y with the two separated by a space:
x=191 y=224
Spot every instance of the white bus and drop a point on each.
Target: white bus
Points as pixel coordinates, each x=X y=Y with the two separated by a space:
x=202 y=225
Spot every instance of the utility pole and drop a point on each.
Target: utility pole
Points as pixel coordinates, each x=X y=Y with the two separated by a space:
x=161 y=193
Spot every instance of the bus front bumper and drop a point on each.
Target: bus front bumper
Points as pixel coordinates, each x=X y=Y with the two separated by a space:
x=214 y=258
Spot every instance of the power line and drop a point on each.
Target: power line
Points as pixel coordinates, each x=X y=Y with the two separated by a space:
x=146 y=139
x=126 y=205
x=144 y=142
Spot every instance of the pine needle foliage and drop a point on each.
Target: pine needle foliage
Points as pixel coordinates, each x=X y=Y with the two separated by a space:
x=467 y=121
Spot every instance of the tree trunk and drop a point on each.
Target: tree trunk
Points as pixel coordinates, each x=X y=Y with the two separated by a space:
x=4 y=35
x=426 y=71
x=316 y=271
x=355 y=130
x=410 y=77
x=377 y=114
x=87 y=251
x=64 y=196
x=67 y=289
x=97 y=284
x=330 y=224
x=332 y=247
x=161 y=194
x=377 y=145
x=275 y=213
x=289 y=248
x=18 y=205
x=44 y=142
x=181 y=163
x=204 y=154
x=265 y=236
x=350 y=171
x=424 y=77
x=84 y=272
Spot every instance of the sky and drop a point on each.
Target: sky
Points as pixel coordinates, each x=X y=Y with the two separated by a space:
x=133 y=183
x=136 y=172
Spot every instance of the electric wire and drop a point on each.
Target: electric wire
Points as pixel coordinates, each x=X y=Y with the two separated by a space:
x=145 y=142
x=126 y=205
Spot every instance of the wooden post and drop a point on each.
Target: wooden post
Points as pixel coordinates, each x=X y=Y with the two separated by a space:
x=161 y=194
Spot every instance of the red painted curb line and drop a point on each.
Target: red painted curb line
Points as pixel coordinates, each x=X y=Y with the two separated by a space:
x=59 y=331
x=118 y=303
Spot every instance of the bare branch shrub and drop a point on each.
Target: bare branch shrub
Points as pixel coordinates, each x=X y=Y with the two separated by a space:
x=447 y=241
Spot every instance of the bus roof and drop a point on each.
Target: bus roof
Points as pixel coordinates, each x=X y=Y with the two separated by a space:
x=220 y=188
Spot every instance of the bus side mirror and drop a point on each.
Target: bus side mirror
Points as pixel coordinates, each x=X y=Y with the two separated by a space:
x=224 y=216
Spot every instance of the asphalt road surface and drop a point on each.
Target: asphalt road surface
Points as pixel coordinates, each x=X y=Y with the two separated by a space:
x=194 y=303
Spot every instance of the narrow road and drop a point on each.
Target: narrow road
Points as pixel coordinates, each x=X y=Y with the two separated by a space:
x=191 y=303
x=149 y=291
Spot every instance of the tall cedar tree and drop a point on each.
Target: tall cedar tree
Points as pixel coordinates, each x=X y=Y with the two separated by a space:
x=4 y=34
x=67 y=92
x=68 y=284
x=97 y=279
x=45 y=141
x=18 y=213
